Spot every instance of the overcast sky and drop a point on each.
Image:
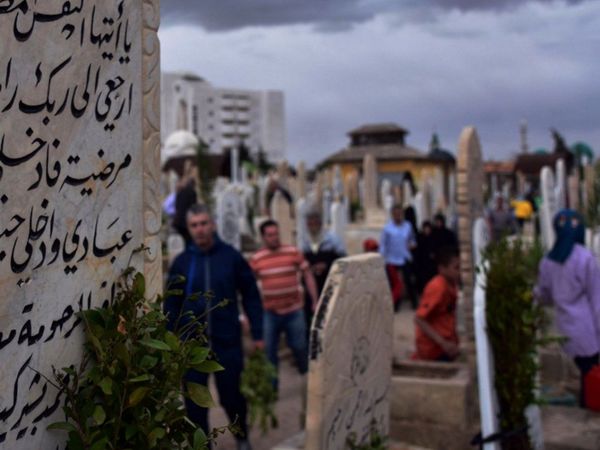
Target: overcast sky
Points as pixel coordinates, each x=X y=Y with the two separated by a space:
x=424 y=64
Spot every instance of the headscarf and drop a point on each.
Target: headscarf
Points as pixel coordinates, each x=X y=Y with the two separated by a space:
x=570 y=230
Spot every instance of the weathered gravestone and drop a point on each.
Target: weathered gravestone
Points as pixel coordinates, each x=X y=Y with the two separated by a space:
x=470 y=208
x=79 y=186
x=229 y=211
x=549 y=207
x=561 y=184
x=281 y=212
x=350 y=356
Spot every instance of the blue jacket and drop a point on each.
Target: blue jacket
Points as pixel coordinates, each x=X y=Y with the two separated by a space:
x=223 y=272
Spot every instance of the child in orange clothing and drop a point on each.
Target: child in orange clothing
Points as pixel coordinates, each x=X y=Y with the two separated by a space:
x=435 y=319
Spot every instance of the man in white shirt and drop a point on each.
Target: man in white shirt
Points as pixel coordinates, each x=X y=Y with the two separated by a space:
x=396 y=243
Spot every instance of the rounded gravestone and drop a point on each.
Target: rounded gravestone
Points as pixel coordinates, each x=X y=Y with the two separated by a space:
x=350 y=356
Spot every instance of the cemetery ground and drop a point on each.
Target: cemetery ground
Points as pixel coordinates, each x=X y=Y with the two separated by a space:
x=290 y=406
x=566 y=427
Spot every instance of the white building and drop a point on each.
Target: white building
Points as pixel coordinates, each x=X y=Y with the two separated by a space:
x=223 y=117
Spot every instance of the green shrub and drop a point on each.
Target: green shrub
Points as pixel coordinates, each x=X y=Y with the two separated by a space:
x=514 y=321
x=127 y=393
x=257 y=387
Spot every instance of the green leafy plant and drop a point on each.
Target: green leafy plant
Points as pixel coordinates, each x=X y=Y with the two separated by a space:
x=127 y=392
x=514 y=323
x=376 y=441
x=258 y=389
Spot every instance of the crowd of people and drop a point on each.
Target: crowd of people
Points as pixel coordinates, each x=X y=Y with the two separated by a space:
x=279 y=287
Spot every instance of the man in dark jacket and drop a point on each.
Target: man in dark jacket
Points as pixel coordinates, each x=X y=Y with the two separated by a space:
x=209 y=265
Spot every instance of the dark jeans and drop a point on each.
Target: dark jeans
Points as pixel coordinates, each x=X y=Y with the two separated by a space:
x=228 y=387
x=294 y=326
x=585 y=364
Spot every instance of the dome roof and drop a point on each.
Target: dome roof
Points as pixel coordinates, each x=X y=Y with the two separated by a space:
x=179 y=144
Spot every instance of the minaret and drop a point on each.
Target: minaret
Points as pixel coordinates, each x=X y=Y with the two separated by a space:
x=524 y=145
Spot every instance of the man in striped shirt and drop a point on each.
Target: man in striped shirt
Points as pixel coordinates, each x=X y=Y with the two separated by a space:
x=278 y=269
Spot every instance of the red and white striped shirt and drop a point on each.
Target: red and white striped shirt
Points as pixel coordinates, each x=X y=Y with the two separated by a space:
x=278 y=272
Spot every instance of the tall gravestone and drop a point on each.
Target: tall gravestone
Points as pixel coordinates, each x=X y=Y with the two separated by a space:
x=549 y=206
x=301 y=175
x=229 y=212
x=339 y=219
x=350 y=356
x=370 y=183
x=561 y=184
x=281 y=212
x=302 y=208
x=470 y=208
x=79 y=187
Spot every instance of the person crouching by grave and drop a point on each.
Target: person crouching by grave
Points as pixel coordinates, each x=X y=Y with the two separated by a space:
x=209 y=265
x=278 y=269
x=435 y=319
x=569 y=279
x=396 y=244
x=320 y=248
x=394 y=278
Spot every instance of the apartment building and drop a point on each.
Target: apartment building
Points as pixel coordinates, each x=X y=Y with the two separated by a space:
x=223 y=117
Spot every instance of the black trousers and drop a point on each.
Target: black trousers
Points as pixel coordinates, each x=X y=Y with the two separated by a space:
x=585 y=364
x=228 y=387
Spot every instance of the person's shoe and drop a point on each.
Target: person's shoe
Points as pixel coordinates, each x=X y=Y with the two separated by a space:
x=244 y=445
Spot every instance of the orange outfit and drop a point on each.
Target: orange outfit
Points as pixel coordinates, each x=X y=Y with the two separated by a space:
x=438 y=309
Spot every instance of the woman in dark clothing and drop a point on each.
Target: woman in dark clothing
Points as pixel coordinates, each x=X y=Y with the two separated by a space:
x=425 y=266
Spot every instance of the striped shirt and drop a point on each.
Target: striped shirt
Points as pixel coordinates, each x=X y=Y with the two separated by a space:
x=278 y=272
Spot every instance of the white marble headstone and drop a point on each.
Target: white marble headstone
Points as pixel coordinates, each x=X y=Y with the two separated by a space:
x=338 y=219
x=229 y=210
x=79 y=187
x=549 y=206
x=561 y=184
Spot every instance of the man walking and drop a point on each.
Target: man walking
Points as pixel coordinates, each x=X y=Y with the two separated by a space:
x=278 y=269
x=396 y=243
x=209 y=265
x=320 y=248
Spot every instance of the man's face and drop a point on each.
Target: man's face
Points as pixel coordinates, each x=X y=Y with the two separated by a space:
x=271 y=237
x=314 y=225
x=452 y=270
x=201 y=227
x=397 y=215
x=438 y=223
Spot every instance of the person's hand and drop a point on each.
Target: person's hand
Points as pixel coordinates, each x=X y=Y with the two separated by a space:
x=258 y=345
x=451 y=349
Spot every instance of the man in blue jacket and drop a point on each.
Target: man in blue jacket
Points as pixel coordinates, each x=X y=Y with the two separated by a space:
x=209 y=265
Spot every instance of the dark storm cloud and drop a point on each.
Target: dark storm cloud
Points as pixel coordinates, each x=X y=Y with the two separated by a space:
x=328 y=15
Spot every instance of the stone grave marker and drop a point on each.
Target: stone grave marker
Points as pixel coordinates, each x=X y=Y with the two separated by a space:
x=301 y=175
x=549 y=206
x=561 y=184
x=302 y=207
x=282 y=214
x=327 y=202
x=470 y=207
x=229 y=211
x=350 y=356
x=338 y=219
x=79 y=187
x=370 y=183
x=574 y=187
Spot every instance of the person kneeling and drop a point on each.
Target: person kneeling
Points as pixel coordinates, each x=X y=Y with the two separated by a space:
x=435 y=319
